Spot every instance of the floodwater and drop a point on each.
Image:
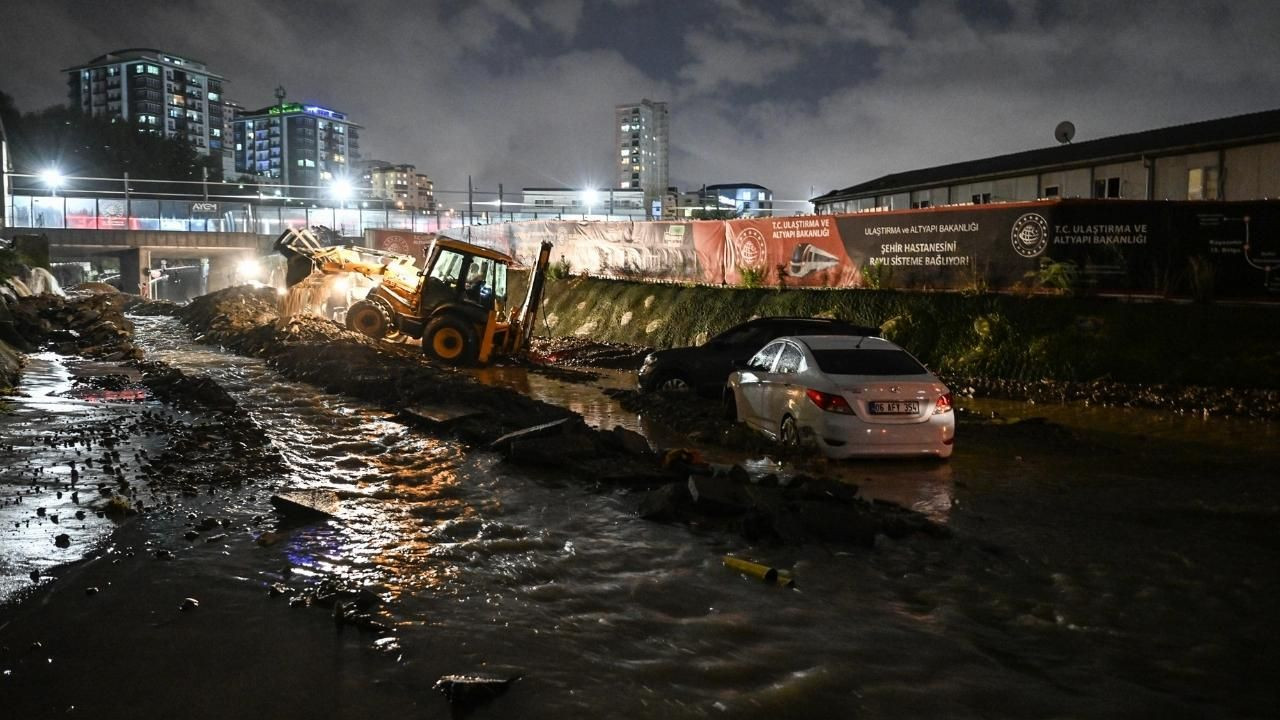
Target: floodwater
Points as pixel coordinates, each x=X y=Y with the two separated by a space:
x=54 y=428
x=1113 y=564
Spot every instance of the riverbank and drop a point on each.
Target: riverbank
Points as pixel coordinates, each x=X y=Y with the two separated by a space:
x=994 y=336
x=1211 y=360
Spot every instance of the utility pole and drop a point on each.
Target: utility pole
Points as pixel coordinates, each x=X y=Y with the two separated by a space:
x=499 y=202
x=204 y=181
x=128 y=211
x=471 y=208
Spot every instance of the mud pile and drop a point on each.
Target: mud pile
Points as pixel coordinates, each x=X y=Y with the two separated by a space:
x=697 y=418
x=149 y=308
x=314 y=350
x=88 y=324
x=581 y=352
x=546 y=439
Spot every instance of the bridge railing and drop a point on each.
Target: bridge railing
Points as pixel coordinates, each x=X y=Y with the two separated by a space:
x=265 y=218
x=91 y=213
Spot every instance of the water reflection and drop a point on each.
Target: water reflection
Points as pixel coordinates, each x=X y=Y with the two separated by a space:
x=51 y=430
x=576 y=390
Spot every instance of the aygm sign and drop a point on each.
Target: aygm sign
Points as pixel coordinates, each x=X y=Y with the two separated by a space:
x=204 y=208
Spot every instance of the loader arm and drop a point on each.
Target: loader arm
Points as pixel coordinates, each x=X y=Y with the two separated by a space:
x=307 y=256
x=523 y=323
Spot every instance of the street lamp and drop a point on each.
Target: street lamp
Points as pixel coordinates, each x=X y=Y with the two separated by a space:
x=589 y=198
x=341 y=190
x=53 y=178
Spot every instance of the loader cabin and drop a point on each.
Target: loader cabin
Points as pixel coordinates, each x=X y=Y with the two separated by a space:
x=465 y=273
x=463 y=305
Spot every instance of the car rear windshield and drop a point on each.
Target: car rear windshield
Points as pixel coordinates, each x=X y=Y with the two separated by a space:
x=867 y=362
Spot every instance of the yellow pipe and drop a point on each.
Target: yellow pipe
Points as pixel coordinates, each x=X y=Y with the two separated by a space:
x=771 y=576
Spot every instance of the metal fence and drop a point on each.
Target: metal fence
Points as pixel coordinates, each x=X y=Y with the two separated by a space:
x=265 y=218
x=90 y=213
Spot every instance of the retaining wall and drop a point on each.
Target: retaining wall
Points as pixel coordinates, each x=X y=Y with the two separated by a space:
x=992 y=335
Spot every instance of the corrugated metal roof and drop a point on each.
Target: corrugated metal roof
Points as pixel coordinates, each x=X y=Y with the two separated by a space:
x=1259 y=126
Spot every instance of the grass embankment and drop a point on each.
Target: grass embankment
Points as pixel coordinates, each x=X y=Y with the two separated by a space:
x=993 y=336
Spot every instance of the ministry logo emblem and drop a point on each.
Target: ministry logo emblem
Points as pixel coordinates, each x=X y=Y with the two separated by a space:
x=1030 y=235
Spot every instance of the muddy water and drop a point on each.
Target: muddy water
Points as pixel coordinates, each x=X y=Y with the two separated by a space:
x=51 y=433
x=1100 y=575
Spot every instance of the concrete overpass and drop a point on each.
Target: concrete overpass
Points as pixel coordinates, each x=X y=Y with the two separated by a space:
x=140 y=251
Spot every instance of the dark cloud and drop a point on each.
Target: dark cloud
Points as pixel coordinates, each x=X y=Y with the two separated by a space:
x=809 y=93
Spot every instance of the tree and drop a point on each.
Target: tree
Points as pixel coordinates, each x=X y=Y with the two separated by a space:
x=101 y=146
x=9 y=115
x=719 y=214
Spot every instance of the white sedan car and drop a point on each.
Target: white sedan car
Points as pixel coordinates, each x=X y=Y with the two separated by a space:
x=850 y=395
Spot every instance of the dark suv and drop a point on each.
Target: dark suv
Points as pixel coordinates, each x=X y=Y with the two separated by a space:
x=706 y=367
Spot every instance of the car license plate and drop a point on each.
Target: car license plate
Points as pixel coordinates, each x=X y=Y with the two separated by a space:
x=903 y=407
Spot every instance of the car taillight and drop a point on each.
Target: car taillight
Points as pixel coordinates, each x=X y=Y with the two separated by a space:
x=943 y=405
x=829 y=402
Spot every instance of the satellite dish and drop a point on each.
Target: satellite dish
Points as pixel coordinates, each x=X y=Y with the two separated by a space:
x=1064 y=132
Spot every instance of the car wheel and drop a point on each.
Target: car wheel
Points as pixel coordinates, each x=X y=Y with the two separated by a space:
x=673 y=381
x=449 y=340
x=729 y=405
x=369 y=318
x=789 y=433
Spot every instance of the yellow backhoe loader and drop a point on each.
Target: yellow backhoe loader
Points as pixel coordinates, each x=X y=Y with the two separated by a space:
x=457 y=303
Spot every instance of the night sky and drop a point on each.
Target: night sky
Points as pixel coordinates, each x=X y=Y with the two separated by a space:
x=800 y=96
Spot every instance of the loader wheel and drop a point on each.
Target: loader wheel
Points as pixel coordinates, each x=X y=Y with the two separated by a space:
x=369 y=318
x=450 y=341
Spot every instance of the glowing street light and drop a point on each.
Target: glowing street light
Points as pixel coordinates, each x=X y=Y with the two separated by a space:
x=589 y=198
x=53 y=178
x=341 y=190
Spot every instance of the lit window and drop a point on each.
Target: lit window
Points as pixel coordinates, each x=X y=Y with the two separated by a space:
x=1202 y=183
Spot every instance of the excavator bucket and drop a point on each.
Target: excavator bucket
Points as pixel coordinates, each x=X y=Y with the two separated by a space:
x=298 y=247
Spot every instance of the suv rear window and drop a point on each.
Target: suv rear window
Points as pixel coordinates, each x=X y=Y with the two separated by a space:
x=867 y=362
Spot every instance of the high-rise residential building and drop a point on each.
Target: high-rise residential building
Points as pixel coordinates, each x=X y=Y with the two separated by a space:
x=230 y=111
x=303 y=148
x=403 y=185
x=162 y=92
x=641 y=134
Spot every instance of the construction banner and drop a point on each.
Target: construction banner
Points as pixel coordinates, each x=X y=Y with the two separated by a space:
x=1166 y=248
x=405 y=242
x=656 y=250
